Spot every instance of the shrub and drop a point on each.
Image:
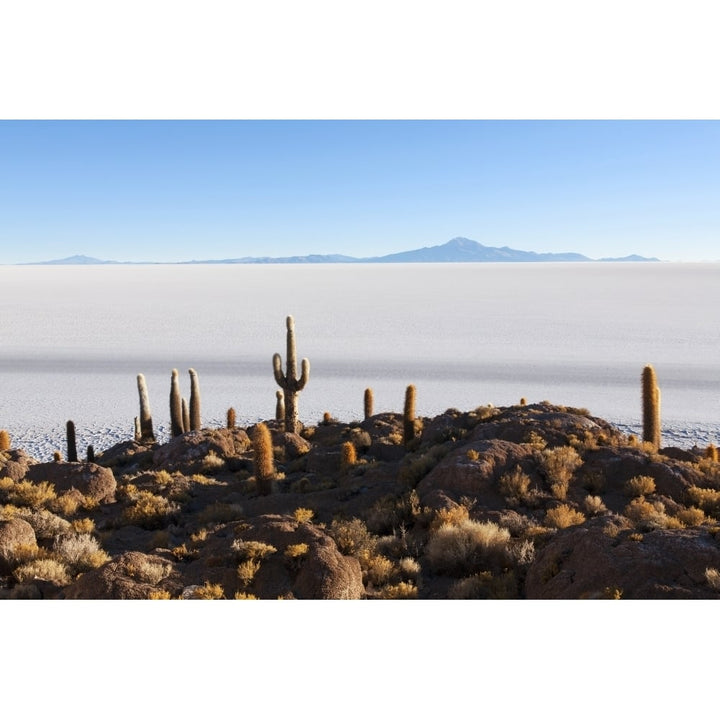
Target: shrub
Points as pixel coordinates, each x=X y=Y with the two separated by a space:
x=352 y=536
x=80 y=552
x=485 y=586
x=563 y=516
x=691 y=516
x=296 y=550
x=303 y=515
x=246 y=571
x=453 y=515
x=646 y=515
x=209 y=591
x=85 y=525
x=377 y=569
x=212 y=463
x=252 y=549
x=244 y=596
x=159 y=595
x=47 y=569
x=640 y=485
x=149 y=511
x=559 y=465
x=705 y=498
x=400 y=591
x=594 y=505
x=713 y=578
x=515 y=486
x=32 y=495
x=148 y=571
x=469 y=545
x=45 y=524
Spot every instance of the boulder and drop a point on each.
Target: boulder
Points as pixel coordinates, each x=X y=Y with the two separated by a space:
x=14 y=464
x=187 y=452
x=93 y=481
x=13 y=532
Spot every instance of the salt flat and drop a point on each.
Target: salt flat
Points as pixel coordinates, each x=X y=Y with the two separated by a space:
x=75 y=337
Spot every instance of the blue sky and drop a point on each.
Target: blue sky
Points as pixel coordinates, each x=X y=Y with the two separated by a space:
x=181 y=190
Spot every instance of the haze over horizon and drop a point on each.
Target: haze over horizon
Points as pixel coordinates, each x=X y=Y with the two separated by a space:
x=174 y=191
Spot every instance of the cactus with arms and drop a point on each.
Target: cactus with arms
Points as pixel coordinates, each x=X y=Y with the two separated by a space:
x=290 y=383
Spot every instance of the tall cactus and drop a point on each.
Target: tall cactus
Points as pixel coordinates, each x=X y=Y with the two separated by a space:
x=176 y=420
x=230 y=418
x=185 y=415
x=368 y=401
x=409 y=415
x=146 y=424
x=194 y=400
x=290 y=383
x=651 y=406
x=72 y=455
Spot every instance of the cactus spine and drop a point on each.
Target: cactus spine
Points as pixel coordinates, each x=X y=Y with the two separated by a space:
x=409 y=415
x=264 y=461
x=71 y=445
x=230 y=423
x=194 y=400
x=146 y=424
x=290 y=383
x=368 y=401
x=651 y=407
x=176 y=421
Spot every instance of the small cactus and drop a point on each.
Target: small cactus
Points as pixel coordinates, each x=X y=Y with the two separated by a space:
x=651 y=407
x=146 y=424
x=280 y=406
x=348 y=456
x=90 y=454
x=409 y=415
x=230 y=421
x=368 y=401
x=72 y=455
x=4 y=440
x=290 y=383
x=176 y=421
x=185 y=415
x=194 y=400
x=711 y=453
x=57 y=456
x=264 y=462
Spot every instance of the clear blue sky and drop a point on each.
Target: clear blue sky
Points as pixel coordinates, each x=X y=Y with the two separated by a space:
x=181 y=190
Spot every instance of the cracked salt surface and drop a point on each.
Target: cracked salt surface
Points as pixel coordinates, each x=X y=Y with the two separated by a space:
x=74 y=339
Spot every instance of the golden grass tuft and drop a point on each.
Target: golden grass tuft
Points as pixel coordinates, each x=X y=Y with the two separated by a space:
x=26 y=493
x=148 y=571
x=209 y=591
x=47 y=569
x=563 y=516
x=713 y=578
x=515 y=486
x=594 y=505
x=148 y=510
x=159 y=595
x=303 y=515
x=691 y=517
x=246 y=571
x=297 y=550
x=639 y=486
x=559 y=465
x=705 y=498
x=245 y=596
x=400 y=591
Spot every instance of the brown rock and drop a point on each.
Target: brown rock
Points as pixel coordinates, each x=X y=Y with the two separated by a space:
x=13 y=532
x=186 y=452
x=14 y=464
x=93 y=481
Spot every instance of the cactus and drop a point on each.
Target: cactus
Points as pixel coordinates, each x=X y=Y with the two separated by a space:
x=711 y=453
x=409 y=415
x=176 y=421
x=230 y=423
x=280 y=406
x=290 y=383
x=185 y=415
x=651 y=407
x=136 y=429
x=4 y=440
x=264 y=461
x=71 y=445
x=368 y=401
x=348 y=456
x=57 y=456
x=90 y=453
x=146 y=425
x=194 y=400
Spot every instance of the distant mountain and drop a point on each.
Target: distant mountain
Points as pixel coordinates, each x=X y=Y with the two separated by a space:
x=457 y=250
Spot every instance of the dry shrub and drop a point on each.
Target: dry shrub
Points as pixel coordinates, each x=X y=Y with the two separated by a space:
x=485 y=586
x=84 y=525
x=594 y=505
x=560 y=463
x=563 y=516
x=691 y=517
x=65 y=504
x=713 y=578
x=705 y=498
x=47 y=569
x=648 y=516
x=208 y=591
x=26 y=493
x=252 y=549
x=377 y=569
x=303 y=515
x=46 y=525
x=472 y=455
x=148 y=571
x=244 y=596
x=535 y=440
x=409 y=569
x=159 y=595
x=80 y=552
x=296 y=550
x=454 y=515
x=455 y=549
x=246 y=571
x=640 y=485
x=149 y=511
x=515 y=486
x=212 y=463
x=163 y=478
x=399 y=591
x=352 y=537
x=24 y=553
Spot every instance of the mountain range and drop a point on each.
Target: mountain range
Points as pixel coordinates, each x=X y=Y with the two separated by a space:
x=458 y=249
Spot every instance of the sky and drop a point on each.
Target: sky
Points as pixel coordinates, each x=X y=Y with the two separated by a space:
x=175 y=190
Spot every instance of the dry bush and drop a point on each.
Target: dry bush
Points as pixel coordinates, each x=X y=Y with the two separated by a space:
x=47 y=569
x=212 y=463
x=159 y=595
x=535 y=440
x=83 y=526
x=409 y=569
x=472 y=455
x=563 y=516
x=252 y=549
x=246 y=571
x=640 y=485
x=149 y=511
x=26 y=493
x=594 y=505
x=705 y=498
x=391 y=512
x=713 y=578
x=245 y=596
x=163 y=478
x=515 y=486
x=648 y=516
x=399 y=591
x=691 y=517
x=485 y=586
x=303 y=515
x=65 y=504
x=455 y=549
x=148 y=571
x=352 y=537
x=377 y=569
x=80 y=552
x=201 y=479
x=46 y=525
x=453 y=515
x=208 y=591
x=560 y=463
x=296 y=550
x=523 y=552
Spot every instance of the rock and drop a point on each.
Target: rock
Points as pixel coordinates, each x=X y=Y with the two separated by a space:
x=586 y=561
x=13 y=532
x=187 y=453
x=93 y=481
x=14 y=464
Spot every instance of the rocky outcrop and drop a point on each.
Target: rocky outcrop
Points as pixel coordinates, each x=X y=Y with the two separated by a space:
x=13 y=533
x=14 y=464
x=93 y=481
